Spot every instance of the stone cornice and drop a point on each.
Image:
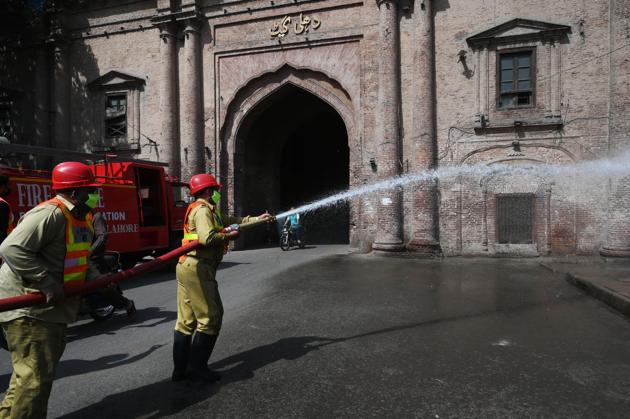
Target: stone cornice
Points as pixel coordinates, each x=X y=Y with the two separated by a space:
x=162 y=19
x=117 y=78
x=540 y=30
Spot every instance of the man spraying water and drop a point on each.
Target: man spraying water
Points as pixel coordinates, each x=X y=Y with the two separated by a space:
x=199 y=305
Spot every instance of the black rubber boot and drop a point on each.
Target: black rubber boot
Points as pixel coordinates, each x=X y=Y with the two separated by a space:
x=200 y=351
x=181 y=350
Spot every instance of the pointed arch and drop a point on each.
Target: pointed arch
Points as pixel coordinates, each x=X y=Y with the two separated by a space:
x=263 y=86
x=255 y=91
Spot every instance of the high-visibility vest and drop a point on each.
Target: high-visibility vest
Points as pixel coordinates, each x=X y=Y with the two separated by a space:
x=79 y=234
x=10 y=225
x=192 y=236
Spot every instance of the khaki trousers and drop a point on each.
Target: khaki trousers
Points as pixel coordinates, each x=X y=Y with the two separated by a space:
x=199 y=305
x=36 y=347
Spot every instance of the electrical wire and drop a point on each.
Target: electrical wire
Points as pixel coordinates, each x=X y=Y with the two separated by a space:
x=583 y=62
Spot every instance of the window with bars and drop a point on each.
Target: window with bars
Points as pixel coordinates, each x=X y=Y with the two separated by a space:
x=116 y=116
x=516 y=79
x=515 y=219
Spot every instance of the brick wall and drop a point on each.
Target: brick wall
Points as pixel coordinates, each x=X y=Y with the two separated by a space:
x=584 y=107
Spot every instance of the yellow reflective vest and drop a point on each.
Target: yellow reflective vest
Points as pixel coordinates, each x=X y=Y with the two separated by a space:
x=192 y=236
x=79 y=234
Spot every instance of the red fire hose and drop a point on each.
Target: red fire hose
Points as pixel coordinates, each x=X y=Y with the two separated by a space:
x=28 y=300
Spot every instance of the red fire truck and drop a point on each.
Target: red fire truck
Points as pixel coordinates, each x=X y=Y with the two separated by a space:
x=141 y=203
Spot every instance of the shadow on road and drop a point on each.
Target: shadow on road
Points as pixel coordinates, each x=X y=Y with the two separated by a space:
x=175 y=397
x=145 y=317
x=226 y=265
x=242 y=366
x=166 y=398
x=70 y=367
x=164 y=275
x=155 y=400
x=308 y=246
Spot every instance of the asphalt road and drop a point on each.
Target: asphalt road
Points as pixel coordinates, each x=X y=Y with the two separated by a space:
x=320 y=333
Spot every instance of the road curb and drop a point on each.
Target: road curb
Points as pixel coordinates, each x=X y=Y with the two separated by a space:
x=602 y=293
x=609 y=296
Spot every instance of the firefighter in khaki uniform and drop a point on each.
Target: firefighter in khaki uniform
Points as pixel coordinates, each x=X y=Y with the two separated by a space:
x=45 y=252
x=199 y=307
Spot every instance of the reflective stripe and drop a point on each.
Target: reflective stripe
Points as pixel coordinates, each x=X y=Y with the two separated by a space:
x=68 y=263
x=72 y=279
x=74 y=269
x=76 y=253
x=79 y=235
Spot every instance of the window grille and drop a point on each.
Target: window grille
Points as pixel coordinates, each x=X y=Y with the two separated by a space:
x=515 y=218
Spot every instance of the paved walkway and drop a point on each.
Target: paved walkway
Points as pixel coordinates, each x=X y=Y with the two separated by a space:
x=605 y=279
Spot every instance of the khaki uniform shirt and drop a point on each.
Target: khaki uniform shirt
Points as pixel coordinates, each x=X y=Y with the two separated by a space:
x=205 y=221
x=33 y=254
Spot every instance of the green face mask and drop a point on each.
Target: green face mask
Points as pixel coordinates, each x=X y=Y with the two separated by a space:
x=216 y=197
x=92 y=200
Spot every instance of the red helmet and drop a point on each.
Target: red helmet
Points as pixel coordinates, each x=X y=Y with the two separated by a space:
x=72 y=174
x=202 y=181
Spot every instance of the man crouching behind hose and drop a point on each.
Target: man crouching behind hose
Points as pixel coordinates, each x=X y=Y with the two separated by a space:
x=199 y=306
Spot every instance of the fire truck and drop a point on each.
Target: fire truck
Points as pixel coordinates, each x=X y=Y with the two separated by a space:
x=141 y=203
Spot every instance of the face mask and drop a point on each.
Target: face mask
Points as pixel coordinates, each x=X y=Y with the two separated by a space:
x=92 y=200
x=216 y=197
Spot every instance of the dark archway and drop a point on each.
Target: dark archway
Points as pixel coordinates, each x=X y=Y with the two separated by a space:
x=292 y=149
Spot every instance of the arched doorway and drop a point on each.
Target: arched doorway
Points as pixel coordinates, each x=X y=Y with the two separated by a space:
x=291 y=149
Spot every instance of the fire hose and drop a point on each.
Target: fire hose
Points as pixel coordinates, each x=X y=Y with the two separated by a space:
x=37 y=298
x=27 y=300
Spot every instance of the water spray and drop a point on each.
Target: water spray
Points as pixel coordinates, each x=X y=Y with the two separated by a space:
x=585 y=171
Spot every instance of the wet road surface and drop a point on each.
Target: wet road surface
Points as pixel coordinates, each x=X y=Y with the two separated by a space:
x=362 y=336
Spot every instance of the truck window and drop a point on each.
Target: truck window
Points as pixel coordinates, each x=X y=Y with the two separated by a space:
x=150 y=197
x=181 y=196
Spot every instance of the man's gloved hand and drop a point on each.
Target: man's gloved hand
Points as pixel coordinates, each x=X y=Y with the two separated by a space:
x=266 y=217
x=52 y=290
x=230 y=228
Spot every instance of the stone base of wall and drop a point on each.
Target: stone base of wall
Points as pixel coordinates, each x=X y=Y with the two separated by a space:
x=614 y=253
